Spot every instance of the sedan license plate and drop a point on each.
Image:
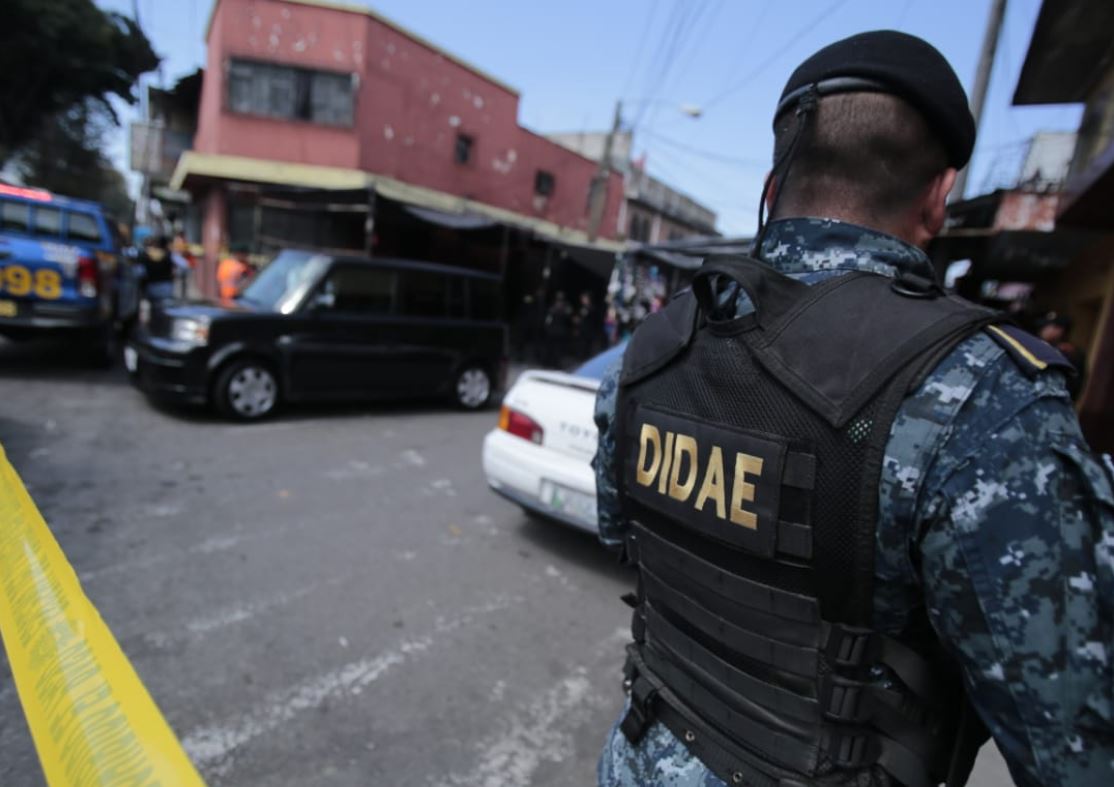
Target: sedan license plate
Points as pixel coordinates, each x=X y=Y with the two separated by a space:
x=131 y=359
x=8 y=309
x=569 y=502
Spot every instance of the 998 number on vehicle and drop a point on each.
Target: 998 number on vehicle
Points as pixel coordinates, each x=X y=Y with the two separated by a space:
x=18 y=281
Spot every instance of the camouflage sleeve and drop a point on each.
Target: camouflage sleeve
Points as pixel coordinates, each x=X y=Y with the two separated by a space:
x=1017 y=563
x=612 y=527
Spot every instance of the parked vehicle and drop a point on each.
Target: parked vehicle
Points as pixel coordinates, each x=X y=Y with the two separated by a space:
x=314 y=326
x=540 y=454
x=60 y=270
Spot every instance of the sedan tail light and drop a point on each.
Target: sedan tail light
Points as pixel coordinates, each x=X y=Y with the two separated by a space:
x=520 y=425
x=88 y=277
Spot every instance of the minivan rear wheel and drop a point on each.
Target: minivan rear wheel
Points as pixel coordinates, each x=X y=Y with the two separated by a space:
x=246 y=390
x=472 y=389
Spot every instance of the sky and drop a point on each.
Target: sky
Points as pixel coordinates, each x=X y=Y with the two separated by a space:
x=573 y=59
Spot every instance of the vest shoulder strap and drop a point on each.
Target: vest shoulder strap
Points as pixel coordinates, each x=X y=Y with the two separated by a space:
x=840 y=345
x=660 y=338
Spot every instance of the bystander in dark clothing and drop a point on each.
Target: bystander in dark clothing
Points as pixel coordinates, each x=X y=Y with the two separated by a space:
x=558 y=330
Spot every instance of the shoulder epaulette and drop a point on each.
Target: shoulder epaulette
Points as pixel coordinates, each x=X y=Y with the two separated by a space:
x=1033 y=355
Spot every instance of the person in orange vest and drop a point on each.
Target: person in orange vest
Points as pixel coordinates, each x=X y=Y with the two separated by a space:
x=232 y=272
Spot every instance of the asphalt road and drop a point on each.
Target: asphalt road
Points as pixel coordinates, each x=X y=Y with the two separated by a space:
x=330 y=598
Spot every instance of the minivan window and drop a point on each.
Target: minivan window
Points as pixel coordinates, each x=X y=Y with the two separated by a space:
x=83 y=226
x=14 y=216
x=424 y=294
x=48 y=221
x=282 y=283
x=361 y=289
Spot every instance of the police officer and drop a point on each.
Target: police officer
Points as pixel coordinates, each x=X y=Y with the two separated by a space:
x=865 y=521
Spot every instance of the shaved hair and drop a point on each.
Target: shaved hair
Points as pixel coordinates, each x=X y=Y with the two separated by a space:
x=867 y=156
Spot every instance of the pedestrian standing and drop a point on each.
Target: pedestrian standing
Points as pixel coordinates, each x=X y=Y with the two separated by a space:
x=558 y=329
x=158 y=268
x=233 y=272
x=864 y=517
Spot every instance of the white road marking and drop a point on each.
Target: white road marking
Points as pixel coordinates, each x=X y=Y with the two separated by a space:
x=206 y=547
x=412 y=457
x=212 y=746
x=543 y=730
x=246 y=610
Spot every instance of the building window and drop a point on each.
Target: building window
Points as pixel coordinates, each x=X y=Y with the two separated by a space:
x=290 y=93
x=463 y=151
x=544 y=183
x=639 y=227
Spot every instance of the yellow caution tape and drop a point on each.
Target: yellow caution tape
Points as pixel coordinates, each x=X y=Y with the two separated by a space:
x=92 y=720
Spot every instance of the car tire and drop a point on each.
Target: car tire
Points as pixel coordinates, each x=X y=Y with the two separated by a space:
x=246 y=390
x=472 y=387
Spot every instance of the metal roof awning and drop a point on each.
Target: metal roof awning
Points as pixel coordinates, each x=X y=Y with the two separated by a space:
x=1069 y=46
x=595 y=260
x=688 y=254
x=196 y=168
x=454 y=221
x=1088 y=196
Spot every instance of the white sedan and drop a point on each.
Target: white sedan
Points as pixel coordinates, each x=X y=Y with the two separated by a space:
x=540 y=454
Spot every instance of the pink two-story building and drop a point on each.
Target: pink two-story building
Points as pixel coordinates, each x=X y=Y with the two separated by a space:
x=318 y=96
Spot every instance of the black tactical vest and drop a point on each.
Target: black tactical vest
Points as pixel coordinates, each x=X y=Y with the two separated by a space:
x=750 y=452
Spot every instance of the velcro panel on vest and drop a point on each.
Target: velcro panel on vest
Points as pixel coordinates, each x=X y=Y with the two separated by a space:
x=837 y=371
x=653 y=551
x=722 y=481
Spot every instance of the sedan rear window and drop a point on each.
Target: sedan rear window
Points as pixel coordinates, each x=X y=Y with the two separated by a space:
x=594 y=368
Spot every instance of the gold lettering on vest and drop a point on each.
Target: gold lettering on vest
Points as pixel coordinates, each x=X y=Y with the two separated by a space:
x=745 y=465
x=713 y=486
x=650 y=436
x=683 y=446
x=667 y=461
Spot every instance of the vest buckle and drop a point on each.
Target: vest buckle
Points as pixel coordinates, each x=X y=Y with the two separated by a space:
x=638 y=716
x=843 y=700
x=849 y=646
x=851 y=750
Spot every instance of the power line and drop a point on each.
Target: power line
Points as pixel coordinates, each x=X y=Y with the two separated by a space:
x=707 y=154
x=669 y=48
x=904 y=12
x=816 y=21
x=698 y=39
x=745 y=48
x=641 y=46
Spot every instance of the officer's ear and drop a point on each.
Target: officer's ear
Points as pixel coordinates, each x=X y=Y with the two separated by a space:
x=772 y=184
x=934 y=206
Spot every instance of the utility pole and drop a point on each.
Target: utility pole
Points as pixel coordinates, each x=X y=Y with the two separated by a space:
x=597 y=196
x=982 y=79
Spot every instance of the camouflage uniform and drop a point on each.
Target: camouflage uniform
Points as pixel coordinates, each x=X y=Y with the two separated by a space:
x=993 y=517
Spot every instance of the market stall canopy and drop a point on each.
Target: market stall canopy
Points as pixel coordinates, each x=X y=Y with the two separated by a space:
x=455 y=221
x=593 y=259
x=195 y=168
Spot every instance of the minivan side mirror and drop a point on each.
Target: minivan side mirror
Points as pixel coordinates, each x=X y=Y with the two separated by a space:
x=323 y=300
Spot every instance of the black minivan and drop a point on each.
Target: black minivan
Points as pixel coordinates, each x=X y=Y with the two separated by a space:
x=314 y=326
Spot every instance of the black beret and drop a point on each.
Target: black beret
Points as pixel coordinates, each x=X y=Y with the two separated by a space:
x=897 y=63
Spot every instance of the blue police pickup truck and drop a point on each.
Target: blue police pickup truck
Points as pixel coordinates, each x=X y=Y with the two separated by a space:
x=61 y=270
